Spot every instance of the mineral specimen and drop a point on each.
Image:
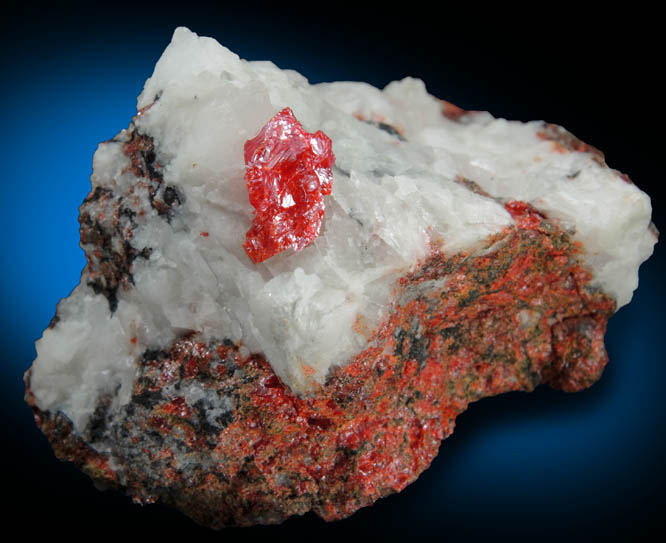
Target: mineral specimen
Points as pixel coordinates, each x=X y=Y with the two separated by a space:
x=459 y=256
x=288 y=172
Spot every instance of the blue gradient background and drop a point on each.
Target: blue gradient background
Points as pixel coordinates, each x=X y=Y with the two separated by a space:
x=547 y=463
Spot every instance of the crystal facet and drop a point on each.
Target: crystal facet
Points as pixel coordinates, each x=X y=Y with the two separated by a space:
x=288 y=172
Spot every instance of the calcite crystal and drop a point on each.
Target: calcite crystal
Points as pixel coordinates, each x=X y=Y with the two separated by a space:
x=459 y=256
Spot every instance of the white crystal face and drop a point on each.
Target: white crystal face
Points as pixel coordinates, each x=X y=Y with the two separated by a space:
x=394 y=199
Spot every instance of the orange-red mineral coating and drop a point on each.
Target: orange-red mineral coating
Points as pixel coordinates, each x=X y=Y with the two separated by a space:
x=288 y=172
x=517 y=313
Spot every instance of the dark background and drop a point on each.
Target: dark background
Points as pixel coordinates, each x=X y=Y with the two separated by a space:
x=548 y=463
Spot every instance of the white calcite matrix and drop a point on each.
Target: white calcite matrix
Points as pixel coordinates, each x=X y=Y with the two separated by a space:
x=396 y=197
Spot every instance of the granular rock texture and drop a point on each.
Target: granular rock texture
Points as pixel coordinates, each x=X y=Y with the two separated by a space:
x=218 y=435
x=460 y=257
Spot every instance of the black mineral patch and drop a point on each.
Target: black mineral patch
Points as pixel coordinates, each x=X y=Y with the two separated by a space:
x=171 y=196
x=109 y=293
x=454 y=333
x=98 y=422
x=109 y=263
x=411 y=345
x=399 y=336
x=148 y=398
x=167 y=202
x=418 y=350
x=107 y=222
x=387 y=128
x=473 y=186
x=152 y=354
x=140 y=149
x=203 y=425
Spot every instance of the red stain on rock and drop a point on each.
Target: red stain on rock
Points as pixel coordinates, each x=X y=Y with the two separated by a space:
x=564 y=141
x=524 y=214
x=452 y=111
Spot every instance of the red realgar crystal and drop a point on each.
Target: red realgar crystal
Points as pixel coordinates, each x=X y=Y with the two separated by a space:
x=288 y=172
